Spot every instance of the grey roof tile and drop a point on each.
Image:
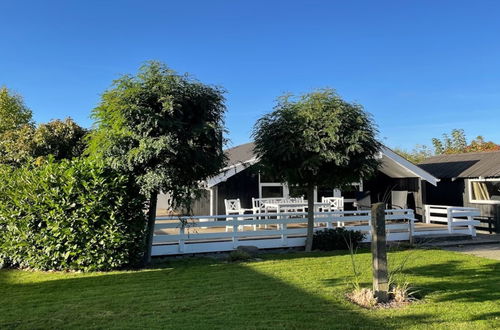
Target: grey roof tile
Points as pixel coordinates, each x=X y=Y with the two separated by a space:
x=468 y=165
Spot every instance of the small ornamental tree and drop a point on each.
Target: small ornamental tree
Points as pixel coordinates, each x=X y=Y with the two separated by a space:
x=165 y=129
x=316 y=139
x=457 y=144
x=13 y=112
x=62 y=139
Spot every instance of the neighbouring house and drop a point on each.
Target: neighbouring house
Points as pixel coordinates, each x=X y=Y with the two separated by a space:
x=469 y=180
x=240 y=179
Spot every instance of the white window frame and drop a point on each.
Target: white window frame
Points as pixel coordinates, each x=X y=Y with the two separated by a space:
x=286 y=191
x=481 y=201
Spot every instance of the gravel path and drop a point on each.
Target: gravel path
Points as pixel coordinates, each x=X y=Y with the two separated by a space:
x=490 y=251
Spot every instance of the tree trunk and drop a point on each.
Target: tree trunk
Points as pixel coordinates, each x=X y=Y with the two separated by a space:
x=310 y=217
x=150 y=227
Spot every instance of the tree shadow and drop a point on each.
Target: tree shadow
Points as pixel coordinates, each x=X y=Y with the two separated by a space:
x=487 y=316
x=185 y=294
x=456 y=280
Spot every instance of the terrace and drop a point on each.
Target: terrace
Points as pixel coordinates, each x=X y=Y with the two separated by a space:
x=281 y=223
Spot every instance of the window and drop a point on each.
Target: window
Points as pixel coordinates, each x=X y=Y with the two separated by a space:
x=295 y=191
x=486 y=191
x=272 y=191
x=268 y=188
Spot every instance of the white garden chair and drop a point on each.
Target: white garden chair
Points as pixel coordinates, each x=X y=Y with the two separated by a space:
x=336 y=204
x=233 y=207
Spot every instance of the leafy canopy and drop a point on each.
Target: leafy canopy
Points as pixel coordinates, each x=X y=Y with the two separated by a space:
x=457 y=143
x=13 y=112
x=62 y=139
x=416 y=155
x=317 y=139
x=166 y=128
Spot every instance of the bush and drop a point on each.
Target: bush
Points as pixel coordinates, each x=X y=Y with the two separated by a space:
x=70 y=215
x=336 y=239
x=238 y=255
x=63 y=139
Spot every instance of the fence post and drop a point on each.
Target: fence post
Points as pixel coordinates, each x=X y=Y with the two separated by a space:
x=284 y=228
x=427 y=214
x=181 y=240
x=449 y=216
x=235 y=232
x=472 y=229
x=411 y=225
x=379 y=253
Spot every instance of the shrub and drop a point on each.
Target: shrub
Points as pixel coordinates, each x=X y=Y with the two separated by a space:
x=238 y=255
x=63 y=139
x=70 y=215
x=336 y=239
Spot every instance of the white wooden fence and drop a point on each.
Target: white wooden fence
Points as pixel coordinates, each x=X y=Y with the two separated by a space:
x=457 y=219
x=201 y=234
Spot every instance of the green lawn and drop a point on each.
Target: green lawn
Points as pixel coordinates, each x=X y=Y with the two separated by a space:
x=296 y=290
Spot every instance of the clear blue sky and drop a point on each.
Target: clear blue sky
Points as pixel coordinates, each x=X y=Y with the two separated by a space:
x=421 y=68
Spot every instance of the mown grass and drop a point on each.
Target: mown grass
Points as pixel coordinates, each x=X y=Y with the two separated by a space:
x=292 y=291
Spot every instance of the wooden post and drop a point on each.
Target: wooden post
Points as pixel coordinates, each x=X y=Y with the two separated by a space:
x=379 y=253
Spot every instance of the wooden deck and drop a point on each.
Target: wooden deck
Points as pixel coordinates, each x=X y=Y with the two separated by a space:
x=201 y=234
x=419 y=226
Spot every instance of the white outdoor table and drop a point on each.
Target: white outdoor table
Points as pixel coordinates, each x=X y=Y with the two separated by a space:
x=279 y=206
x=287 y=206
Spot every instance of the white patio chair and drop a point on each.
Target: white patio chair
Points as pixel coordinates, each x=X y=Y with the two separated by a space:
x=233 y=206
x=336 y=204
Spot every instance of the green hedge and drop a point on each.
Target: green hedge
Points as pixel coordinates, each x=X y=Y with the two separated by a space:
x=70 y=215
x=336 y=239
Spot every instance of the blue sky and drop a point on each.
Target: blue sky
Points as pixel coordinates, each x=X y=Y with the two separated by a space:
x=421 y=68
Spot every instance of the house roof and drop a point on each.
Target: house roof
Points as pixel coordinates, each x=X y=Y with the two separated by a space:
x=392 y=164
x=468 y=165
x=240 y=154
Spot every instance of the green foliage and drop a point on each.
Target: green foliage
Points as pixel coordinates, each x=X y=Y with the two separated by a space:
x=480 y=145
x=167 y=129
x=416 y=155
x=16 y=145
x=337 y=239
x=238 y=255
x=317 y=139
x=457 y=143
x=70 y=215
x=13 y=112
x=62 y=139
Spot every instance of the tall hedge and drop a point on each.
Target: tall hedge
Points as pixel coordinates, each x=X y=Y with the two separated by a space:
x=70 y=215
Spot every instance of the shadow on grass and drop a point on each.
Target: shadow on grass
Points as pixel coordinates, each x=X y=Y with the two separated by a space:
x=458 y=280
x=284 y=291
x=314 y=254
x=181 y=294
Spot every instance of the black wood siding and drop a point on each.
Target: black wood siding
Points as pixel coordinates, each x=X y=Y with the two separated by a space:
x=381 y=185
x=243 y=185
x=447 y=192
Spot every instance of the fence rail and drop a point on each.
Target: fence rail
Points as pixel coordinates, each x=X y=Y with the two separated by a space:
x=200 y=234
x=455 y=217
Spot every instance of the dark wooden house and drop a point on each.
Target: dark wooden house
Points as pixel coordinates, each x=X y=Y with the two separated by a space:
x=469 y=179
x=241 y=180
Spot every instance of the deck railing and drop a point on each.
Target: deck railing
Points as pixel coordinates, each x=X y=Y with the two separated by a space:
x=455 y=217
x=201 y=234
